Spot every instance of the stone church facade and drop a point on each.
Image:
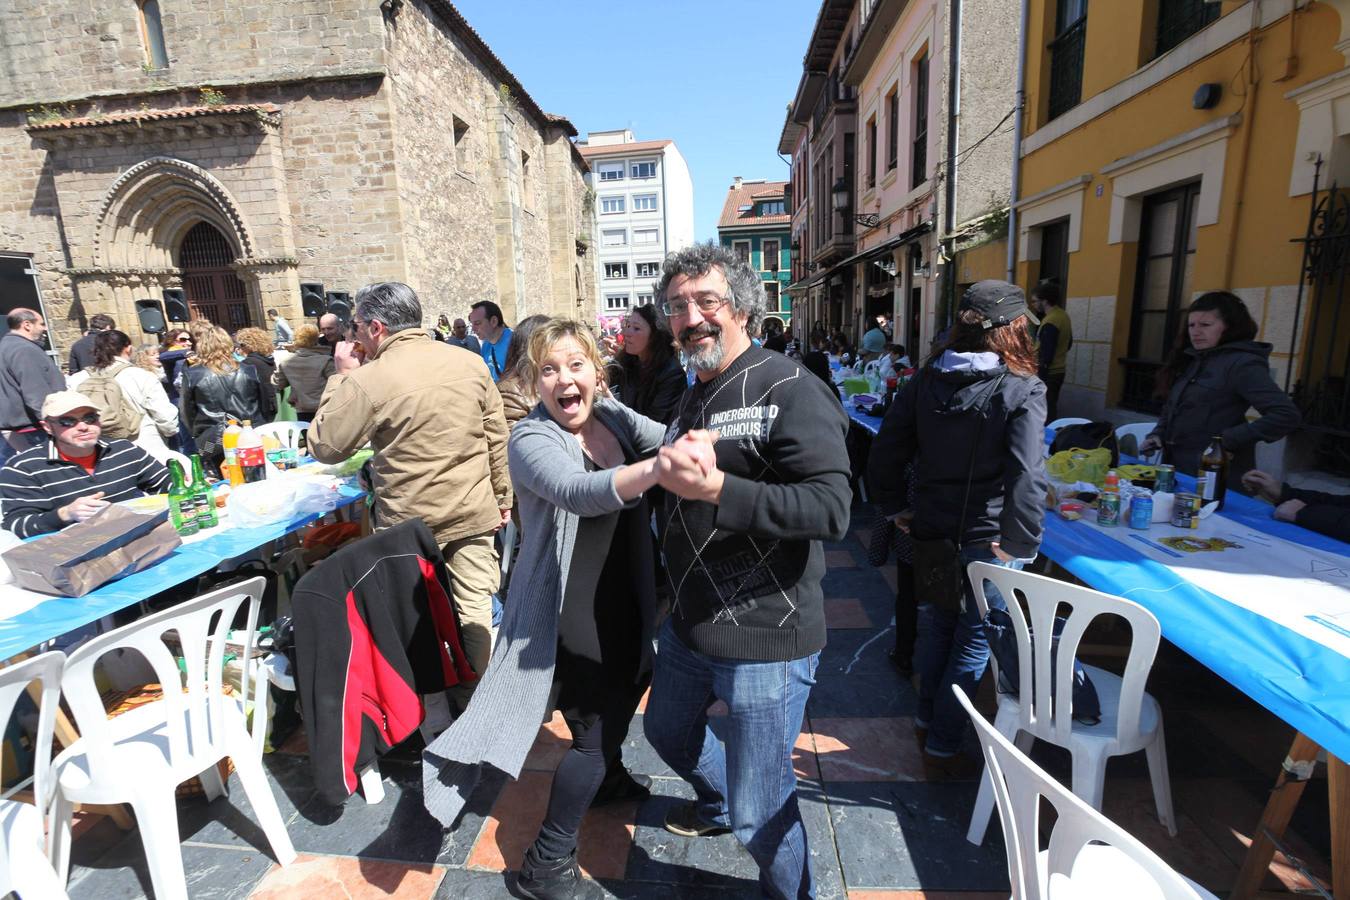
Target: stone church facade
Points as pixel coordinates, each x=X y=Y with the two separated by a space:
x=236 y=150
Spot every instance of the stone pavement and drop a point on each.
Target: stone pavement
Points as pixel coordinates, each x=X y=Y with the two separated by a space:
x=878 y=830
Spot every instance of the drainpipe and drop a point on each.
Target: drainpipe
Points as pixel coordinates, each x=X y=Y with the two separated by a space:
x=953 y=113
x=1016 y=188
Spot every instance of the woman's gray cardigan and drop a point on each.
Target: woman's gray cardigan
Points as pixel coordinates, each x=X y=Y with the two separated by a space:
x=554 y=492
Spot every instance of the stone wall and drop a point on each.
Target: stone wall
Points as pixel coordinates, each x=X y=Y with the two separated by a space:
x=51 y=53
x=988 y=93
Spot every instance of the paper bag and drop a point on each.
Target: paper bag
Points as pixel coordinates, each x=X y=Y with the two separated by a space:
x=111 y=544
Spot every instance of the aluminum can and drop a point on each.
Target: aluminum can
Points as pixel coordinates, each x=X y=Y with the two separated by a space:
x=1186 y=511
x=1108 y=509
x=1141 y=512
x=1167 y=479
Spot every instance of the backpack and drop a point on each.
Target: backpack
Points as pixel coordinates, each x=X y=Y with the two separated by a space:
x=1087 y=436
x=121 y=418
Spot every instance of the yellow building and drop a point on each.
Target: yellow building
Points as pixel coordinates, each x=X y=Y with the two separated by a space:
x=1172 y=147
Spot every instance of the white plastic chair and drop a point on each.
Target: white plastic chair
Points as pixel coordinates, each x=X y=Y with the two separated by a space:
x=1087 y=855
x=24 y=866
x=1070 y=420
x=1131 y=719
x=141 y=756
x=282 y=431
x=1136 y=430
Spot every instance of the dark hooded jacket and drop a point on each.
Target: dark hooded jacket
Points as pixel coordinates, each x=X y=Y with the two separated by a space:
x=935 y=422
x=1211 y=397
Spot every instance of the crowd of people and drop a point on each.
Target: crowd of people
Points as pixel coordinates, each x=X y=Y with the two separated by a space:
x=671 y=488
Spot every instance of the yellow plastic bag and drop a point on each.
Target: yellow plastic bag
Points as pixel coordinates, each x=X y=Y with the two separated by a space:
x=1077 y=464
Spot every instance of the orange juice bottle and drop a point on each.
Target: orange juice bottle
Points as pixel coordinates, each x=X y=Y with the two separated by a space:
x=229 y=441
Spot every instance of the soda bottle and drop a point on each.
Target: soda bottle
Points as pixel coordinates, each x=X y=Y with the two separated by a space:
x=1211 y=482
x=250 y=453
x=229 y=469
x=1112 y=482
x=201 y=496
x=182 y=506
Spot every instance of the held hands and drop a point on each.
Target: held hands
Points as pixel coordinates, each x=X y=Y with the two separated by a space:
x=902 y=520
x=1150 y=444
x=1263 y=485
x=688 y=468
x=82 y=508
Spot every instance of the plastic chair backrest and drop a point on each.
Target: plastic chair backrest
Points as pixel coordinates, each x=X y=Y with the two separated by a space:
x=1070 y=420
x=14 y=680
x=1019 y=784
x=281 y=430
x=1049 y=713
x=195 y=716
x=1137 y=430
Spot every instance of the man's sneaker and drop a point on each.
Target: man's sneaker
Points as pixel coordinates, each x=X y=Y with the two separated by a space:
x=558 y=879
x=684 y=820
x=622 y=786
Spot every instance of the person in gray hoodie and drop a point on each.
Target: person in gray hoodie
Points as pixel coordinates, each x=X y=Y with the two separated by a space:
x=27 y=376
x=1216 y=373
x=973 y=423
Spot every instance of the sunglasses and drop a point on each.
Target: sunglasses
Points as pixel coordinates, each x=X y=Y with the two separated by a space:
x=89 y=418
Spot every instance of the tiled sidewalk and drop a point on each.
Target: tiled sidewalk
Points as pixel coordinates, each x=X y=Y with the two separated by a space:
x=878 y=830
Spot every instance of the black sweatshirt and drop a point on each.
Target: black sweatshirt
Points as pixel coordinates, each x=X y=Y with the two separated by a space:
x=745 y=573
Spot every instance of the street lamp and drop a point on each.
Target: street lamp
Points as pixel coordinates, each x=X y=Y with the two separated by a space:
x=841 y=203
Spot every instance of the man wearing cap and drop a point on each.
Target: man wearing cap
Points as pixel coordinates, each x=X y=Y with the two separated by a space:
x=72 y=474
x=972 y=422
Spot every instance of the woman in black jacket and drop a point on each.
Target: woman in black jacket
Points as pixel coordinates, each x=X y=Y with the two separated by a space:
x=216 y=388
x=650 y=380
x=1216 y=373
x=973 y=424
x=256 y=347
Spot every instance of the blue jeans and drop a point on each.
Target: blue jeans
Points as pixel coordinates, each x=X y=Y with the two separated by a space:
x=748 y=785
x=952 y=649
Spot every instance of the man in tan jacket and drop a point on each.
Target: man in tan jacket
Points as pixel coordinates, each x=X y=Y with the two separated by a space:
x=434 y=418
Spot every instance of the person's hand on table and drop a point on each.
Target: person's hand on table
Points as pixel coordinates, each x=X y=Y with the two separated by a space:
x=1288 y=510
x=345 y=357
x=999 y=553
x=903 y=519
x=1262 y=484
x=82 y=508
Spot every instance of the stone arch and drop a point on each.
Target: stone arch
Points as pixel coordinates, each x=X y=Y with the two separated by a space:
x=149 y=208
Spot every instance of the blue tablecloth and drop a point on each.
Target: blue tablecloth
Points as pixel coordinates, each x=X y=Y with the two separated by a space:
x=870 y=424
x=53 y=618
x=1303 y=682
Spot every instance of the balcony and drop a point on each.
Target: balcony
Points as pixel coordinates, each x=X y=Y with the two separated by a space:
x=836 y=97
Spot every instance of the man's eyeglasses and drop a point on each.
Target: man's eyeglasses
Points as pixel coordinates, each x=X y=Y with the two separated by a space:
x=706 y=303
x=89 y=418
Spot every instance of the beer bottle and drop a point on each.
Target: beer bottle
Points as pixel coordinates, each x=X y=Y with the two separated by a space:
x=182 y=506
x=1211 y=482
x=201 y=496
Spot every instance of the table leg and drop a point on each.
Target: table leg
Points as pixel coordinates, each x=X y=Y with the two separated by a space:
x=1338 y=783
x=1275 y=819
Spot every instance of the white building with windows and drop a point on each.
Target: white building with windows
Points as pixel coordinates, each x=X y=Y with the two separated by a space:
x=644 y=209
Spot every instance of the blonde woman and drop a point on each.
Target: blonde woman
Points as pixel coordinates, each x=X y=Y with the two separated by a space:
x=216 y=388
x=305 y=372
x=255 y=346
x=581 y=611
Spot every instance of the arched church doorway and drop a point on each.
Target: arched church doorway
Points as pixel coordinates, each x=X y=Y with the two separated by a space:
x=213 y=289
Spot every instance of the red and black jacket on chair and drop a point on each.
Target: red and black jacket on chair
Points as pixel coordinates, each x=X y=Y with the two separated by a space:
x=374 y=631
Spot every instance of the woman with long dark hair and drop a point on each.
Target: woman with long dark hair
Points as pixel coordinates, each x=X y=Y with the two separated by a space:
x=650 y=379
x=159 y=419
x=1217 y=371
x=517 y=385
x=973 y=424
x=581 y=612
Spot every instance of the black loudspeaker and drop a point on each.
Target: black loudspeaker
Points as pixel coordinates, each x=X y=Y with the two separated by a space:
x=340 y=305
x=175 y=305
x=151 y=315
x=311 y=299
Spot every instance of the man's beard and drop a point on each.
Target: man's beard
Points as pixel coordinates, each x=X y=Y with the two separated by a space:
x=708 y=358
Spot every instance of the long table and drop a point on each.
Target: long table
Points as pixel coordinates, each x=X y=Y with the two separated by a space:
x=52 y=617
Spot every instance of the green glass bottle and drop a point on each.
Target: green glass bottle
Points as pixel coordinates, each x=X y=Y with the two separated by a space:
x=201 y=496
x=182 y=506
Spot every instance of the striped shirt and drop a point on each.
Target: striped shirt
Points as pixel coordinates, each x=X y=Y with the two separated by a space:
x=37 y=482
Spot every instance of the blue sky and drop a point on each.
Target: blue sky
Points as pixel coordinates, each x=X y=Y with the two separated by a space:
x=715 y=77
